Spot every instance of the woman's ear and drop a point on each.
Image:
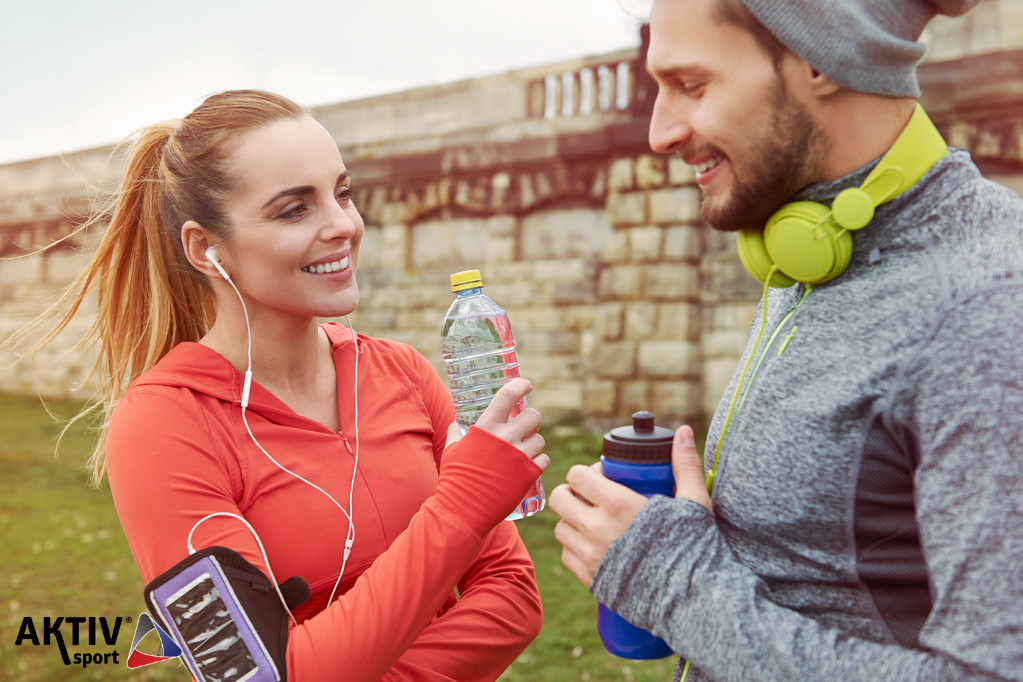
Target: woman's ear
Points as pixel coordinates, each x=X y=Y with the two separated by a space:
x=196 y=241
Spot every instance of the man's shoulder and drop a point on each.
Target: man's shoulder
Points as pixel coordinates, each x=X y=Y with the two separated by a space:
x=956 y=184
x=961 y=229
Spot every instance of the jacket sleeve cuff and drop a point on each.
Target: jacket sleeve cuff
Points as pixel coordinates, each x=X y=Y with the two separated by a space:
x=639 y=576
x=483 y=478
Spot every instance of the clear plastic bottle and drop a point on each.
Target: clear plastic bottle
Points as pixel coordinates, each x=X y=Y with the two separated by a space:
x=479 y=355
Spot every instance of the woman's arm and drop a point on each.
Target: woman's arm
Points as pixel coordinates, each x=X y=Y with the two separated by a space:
x=497 y=615
x=498 y=612
x=166 y=473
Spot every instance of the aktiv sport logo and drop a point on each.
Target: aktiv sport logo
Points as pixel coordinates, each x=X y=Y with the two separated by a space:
x=168 y=648
x=97 y=628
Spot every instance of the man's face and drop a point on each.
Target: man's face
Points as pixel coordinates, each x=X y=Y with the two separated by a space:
x=724 y=108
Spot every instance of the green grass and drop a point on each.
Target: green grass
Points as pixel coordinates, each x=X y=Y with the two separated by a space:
x=65 y=555
x=568 y=647
x=64 y=552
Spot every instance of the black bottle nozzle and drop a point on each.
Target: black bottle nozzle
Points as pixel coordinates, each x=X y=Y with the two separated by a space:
x=643 y=442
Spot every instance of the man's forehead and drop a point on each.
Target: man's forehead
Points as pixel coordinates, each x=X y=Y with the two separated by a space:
x=686 y=36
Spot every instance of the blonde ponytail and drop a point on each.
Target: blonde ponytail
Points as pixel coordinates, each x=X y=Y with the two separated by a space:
x=149 y=297
x=147 y=303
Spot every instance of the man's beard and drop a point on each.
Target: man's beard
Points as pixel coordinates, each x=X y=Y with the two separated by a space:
x=777 y=165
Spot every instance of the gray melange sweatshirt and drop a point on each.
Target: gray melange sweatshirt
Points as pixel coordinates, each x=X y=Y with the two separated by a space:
x=868 y=516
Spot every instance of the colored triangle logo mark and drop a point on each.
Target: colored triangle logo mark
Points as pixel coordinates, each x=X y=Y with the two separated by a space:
x=168 y=647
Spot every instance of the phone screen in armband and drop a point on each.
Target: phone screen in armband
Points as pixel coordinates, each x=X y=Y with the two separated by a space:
x=218 y=640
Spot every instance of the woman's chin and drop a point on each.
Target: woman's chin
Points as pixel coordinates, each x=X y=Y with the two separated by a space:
x=341 y=308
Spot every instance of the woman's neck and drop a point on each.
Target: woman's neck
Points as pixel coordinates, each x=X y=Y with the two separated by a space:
x=288 y=356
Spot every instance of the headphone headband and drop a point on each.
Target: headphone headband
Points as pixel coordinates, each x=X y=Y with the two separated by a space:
x=810 y=242
x=917 y=148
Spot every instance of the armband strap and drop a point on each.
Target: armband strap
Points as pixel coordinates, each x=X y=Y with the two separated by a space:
x=226 y=616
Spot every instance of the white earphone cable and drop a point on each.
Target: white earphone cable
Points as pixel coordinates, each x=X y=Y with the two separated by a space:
x=350 y=535
x=350 y=539
x=273 y=579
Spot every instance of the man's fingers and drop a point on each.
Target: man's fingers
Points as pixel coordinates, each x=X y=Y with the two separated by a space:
x=594 y=512
x=575 y=547
x=577 y=566
x=566 y=503
x=688 y=470
x=588 y=483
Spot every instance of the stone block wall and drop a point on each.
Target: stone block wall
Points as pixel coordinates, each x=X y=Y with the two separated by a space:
x=620 y=297
x=606 y=277
x=604 y=268
x=27 y=287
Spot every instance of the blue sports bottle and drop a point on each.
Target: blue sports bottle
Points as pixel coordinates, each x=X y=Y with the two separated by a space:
x=639 y=457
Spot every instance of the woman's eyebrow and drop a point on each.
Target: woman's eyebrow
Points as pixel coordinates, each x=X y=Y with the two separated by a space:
x=303 y=189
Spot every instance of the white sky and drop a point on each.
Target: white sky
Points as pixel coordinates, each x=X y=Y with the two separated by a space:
x=77 y=74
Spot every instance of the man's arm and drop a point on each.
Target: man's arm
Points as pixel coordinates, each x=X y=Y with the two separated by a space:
x=665 y=566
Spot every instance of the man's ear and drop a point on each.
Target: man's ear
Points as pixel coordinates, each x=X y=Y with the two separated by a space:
x=803 y=82
x=195 y=240
x=818 y=83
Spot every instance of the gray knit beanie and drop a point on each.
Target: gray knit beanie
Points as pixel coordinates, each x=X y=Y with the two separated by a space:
x=866 y=45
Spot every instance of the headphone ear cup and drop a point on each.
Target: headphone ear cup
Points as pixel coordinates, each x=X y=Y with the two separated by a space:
x=754 y=257
x=804 y=242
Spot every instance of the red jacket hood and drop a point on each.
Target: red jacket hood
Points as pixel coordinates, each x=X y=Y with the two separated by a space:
x=201 y=369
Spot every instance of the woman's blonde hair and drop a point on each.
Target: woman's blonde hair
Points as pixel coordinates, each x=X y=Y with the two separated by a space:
x=149 y=296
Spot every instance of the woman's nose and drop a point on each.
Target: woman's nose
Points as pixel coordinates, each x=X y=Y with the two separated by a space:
x=341 y=222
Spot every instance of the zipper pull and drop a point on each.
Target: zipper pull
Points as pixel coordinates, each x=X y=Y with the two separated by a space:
x=785 y=343
x=348 y=446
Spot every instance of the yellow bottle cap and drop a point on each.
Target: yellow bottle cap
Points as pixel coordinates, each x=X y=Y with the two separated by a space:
x=467 y=279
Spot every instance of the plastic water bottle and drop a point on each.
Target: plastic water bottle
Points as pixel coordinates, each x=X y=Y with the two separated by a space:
x=479 y=355
x=638 y=457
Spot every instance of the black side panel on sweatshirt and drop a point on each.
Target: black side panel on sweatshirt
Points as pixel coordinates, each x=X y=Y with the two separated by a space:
x=888 y=554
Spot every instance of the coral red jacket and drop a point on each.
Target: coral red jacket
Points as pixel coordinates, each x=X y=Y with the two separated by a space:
x=178 y=450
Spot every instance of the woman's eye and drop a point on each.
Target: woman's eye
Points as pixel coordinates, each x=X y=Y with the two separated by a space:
x=296 y=211
x=344 y=195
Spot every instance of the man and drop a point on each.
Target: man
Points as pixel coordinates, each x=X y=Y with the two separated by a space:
x=866 y=461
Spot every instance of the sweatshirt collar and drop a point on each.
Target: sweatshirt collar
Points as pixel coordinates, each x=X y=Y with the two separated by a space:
x=203 y=370
x=825 y=192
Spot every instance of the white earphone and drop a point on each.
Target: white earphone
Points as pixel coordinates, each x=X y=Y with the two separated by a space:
x=211 y=256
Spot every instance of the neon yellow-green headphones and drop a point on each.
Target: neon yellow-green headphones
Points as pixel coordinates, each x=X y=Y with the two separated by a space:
x=811 y=242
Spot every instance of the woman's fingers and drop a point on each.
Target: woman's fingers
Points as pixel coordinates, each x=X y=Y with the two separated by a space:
x=521 y=431
x=503 y=402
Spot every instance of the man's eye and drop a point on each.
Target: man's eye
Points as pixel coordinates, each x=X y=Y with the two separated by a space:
x=690 y=88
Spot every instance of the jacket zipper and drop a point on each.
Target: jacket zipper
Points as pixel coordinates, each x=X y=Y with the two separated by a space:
x=715 y=467
x=770 y=342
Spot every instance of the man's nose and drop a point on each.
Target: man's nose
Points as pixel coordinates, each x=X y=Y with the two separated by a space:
x=669 y=126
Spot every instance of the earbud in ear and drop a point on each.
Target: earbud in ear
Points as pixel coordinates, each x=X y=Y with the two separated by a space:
x=211 y=256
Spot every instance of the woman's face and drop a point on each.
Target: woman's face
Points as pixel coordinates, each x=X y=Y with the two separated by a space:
x=294 y=246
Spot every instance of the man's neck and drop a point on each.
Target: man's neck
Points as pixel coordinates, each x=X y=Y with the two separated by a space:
x=860 y=127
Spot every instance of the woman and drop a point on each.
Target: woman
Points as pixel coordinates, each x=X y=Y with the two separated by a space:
x=234 y=230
